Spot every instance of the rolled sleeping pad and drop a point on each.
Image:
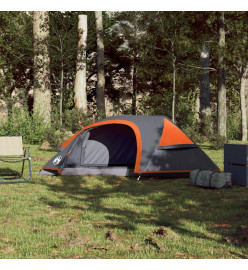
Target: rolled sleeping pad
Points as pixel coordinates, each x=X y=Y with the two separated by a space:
x=210 y=179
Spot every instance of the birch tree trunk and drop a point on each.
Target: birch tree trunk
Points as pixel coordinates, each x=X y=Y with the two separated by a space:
x=242 y=104
x=205 y=109
x=42 y=84
x=80 y=94
x=197 y=107
x=221 y=77
x=100 y=99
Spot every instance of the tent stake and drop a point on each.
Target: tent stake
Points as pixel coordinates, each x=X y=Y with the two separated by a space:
x=139 y=177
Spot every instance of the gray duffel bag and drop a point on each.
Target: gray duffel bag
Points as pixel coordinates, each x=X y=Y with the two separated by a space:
x=211 y=179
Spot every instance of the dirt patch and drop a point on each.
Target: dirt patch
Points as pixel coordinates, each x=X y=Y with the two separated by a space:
x=111 y=236
x=4 y=239
x=226 y=225
x=6 y=221
x=135 y=247
x=167 y=233
x=152 y=241
x=240 y=237
x=8 y=250
x=40 y=159
x=78 y=241
x=13 y=222
x=66 y=231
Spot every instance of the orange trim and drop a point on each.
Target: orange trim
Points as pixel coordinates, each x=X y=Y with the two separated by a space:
x=172 y=135
x=65 y=143
x=67 y=155
x=59 y=171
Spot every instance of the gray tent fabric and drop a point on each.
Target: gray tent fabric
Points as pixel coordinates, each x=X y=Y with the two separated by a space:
x=129 y=145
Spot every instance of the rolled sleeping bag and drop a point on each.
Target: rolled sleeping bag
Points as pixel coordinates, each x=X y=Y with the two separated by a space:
x=211 y=179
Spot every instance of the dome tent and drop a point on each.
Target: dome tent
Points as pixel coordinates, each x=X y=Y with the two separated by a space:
x=129 y=145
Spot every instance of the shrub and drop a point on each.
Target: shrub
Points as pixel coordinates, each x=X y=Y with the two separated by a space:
x=32 y=127
x=234 y=126
x=73 y=121
x=193 y=131
x=56 y=137
x=217 y=142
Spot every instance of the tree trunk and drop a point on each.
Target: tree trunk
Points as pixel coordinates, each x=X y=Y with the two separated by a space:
x=134 y=86
x=174 y=89
x=100 y=100
x=197 y=107
x=80 y=94
x=221 y=77
x=204 y=83
x=61 y=94
x=242 y=104
x=42 y=84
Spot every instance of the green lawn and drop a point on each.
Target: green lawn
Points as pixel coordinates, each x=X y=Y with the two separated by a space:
x=69 y=216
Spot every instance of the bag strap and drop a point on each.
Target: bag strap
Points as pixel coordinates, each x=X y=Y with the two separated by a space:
x=196 y=176
x=210 y=178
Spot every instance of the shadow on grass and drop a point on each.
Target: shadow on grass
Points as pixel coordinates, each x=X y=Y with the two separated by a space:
x=173 y=202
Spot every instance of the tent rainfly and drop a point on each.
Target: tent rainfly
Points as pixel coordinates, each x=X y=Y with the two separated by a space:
x=129 y=145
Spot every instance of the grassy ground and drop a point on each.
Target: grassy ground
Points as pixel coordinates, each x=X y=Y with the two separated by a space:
x=68 y=217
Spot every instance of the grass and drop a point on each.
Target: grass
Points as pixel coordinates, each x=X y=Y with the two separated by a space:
x=69 y=216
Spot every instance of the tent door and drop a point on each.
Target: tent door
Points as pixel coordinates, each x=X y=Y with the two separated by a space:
x=110 y=145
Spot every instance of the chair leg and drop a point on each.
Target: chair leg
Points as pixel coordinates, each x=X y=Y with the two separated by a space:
x=28 y=177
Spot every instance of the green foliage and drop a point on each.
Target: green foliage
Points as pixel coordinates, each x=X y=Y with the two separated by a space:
x=217 y=142
x=194 y=132
x=32 y=127
x=234 y=125
x=73 y=121
x=185 y=109
x=16 y=52
x=157 y=104
x=56 y=137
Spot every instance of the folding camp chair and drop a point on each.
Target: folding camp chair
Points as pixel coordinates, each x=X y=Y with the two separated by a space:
x=12 y=151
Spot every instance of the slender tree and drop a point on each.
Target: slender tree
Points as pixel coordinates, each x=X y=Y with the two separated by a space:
x=243 y=84
x=100 y=99
x=80 y=94
x=221 y=75
x=204 y=81
x=42 y=87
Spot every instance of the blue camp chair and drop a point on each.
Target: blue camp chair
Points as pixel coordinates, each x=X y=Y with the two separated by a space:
x=12 y=151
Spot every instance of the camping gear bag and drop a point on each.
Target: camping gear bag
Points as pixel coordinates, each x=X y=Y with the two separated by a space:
x=211 y=179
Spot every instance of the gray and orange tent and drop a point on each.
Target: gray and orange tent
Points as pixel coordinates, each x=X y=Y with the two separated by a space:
x=129 y=145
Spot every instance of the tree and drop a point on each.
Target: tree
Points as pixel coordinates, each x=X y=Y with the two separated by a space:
x=205 y=109
x=100 y=99
x=243 y=84
x=42 y=87
x=80 y=94
x=16 y=58
x=170 y=55
x=221 y=126
x=63 y=55
x=237 y=61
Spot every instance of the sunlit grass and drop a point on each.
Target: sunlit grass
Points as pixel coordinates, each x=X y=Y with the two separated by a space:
x=69 y=216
